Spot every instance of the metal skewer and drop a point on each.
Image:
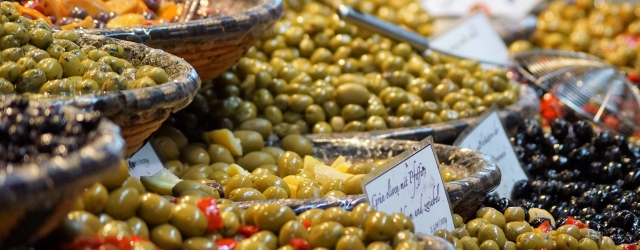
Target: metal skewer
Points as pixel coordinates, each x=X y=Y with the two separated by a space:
x=392 y=31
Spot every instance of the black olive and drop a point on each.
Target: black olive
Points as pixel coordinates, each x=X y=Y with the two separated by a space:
x=559 y=162
x=559 y=128
x=625 y=220
x=593 y=225
x=583 y=130
x=581 y=156
x=518 y=139
x=521 y=189
x=533 y=132
x=570 y=143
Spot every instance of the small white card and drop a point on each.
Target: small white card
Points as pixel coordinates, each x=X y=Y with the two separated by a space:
x=473 y=38
x=145 y=162
x=411 y=183
x=490 y=138
x=512 y=9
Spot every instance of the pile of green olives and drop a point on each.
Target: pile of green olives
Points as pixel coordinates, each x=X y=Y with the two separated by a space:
x=605 y=29
x=316 y=73
x=179 y=223
x=518 y=228
x=37 y=62
x=405 y=13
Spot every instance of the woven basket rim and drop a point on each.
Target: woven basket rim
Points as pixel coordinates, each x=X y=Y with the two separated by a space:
x=222 y=27
x=31 y=185
x=175 y=94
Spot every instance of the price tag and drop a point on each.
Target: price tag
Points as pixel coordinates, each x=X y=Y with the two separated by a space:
x=410 y=183
x=145 y=162
x=512 y=9
x=473 y=38
x=490 y=138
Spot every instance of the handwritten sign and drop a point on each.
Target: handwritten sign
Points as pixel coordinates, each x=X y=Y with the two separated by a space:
x=512 y=9
x=411 y=184
x=474 y=38
x=145 y=162
x=489 y=138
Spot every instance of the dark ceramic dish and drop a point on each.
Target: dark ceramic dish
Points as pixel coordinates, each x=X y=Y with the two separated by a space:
x=35 y=198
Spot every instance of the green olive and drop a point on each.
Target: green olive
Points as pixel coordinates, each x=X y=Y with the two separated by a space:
x=496 y=218
x=264 y=182
x=379 y=227
x=114 y=228
x=566 y=242
x=473 y=226
x=273 y=151
x=529 y=240
x=489 y=245
x=492 y=232
x=298 y=144
x=290 y=230
x=198 y=243
x=515 y=228
x=268 y=238
x=193 y=155
x=95 y=198
x=237 y=182
x=154 y=209
x=289 y=163
x=326 y=234
x=138 y=227
x=245 y=194
x=273 y=217
x=571 y=230
x=351 y=93
x=309 y=192
x=352 y=184
x=123 y=203
x=166 y=236
x=249 y=140
x=514 y=214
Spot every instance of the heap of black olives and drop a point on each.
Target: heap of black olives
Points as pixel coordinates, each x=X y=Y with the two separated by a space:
x=579 y=172
x=31 y=134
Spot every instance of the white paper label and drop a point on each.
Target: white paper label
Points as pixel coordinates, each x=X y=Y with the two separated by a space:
x=489 y=138
x=474 y=38
x=145 y=162
x=512 y=9
x=413 y=186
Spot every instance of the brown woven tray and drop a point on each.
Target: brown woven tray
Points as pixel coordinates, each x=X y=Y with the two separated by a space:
x=210 y=45
x=465 y=195
x=140 y=112
x=36 y=198
x=527 y=106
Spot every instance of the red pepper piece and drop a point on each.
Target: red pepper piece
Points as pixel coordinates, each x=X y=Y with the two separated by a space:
x=632 y=246
x=82 y=243
x=299 y=244
x=306 y=223
x=226 y=244
x=572 y=221
x=248 y=230
x=210 y=209
x=174 y=200
x=36 y=5
x=545 y=227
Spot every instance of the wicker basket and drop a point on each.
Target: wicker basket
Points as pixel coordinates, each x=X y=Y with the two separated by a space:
x=140 y=112
x=465 y=195
x=210 y=45
x=36 y=198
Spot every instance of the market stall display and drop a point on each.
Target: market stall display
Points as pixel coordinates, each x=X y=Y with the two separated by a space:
x=49 y=155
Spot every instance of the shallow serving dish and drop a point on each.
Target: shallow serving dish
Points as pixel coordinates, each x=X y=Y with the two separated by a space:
x=465 y=195
x=36 y=198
